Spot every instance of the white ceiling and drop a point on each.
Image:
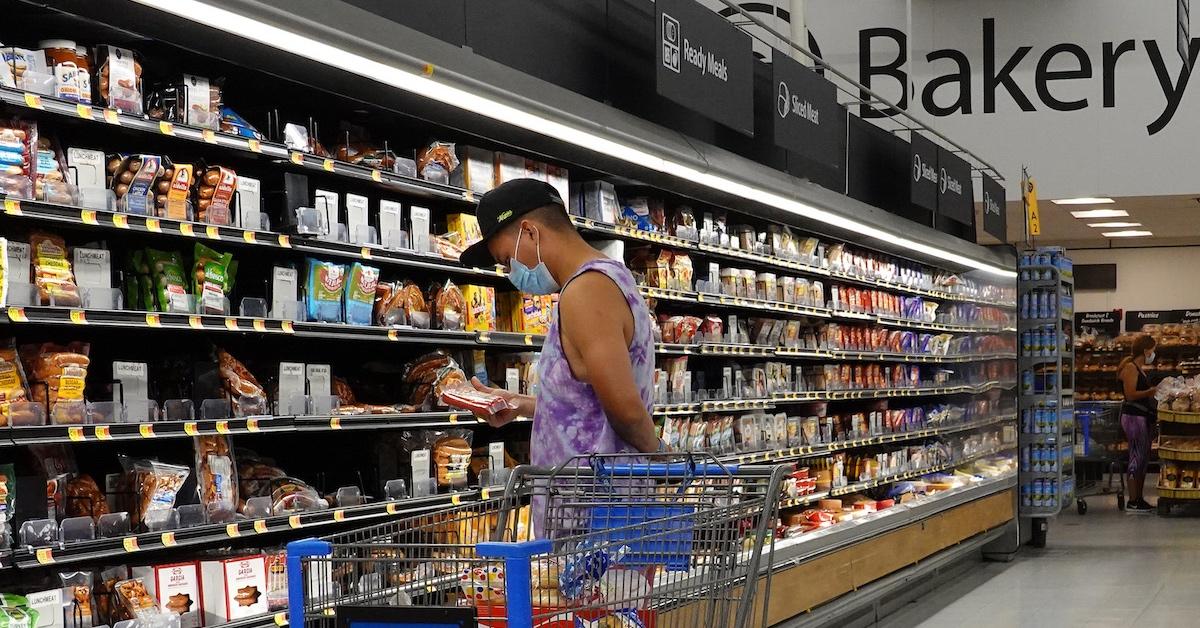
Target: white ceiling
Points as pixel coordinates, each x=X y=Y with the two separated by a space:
x=1174 y=220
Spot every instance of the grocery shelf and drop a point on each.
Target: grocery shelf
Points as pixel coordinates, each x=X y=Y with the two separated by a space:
x=1186 y=455
x=844 y=395
x=757 y=351
x=1171 y=416
x=772 y=261
x=237 y=236
x=215 y=535
x=809 y=451
x=126 y=319
x=249 y=147
x=1178 y=493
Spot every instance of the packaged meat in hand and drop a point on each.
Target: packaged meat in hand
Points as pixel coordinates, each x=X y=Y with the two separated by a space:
x=463 y=396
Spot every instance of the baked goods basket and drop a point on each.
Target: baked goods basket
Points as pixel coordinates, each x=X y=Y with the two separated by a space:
x=610 y=540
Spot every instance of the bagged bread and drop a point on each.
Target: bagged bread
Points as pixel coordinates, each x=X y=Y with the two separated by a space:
x=216 y=477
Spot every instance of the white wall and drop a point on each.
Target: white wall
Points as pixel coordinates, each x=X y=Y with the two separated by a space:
x=1147 y=279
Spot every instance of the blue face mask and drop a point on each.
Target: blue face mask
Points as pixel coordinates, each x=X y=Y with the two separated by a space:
x=536 y=280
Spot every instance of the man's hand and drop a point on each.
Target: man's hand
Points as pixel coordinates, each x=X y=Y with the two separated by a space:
x=523 y=405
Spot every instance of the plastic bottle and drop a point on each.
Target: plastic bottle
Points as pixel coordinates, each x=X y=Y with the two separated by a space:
x=1027 y=382
x=1026 y=497
x=1052 y=303
x=1025 y=305
x=1025 y=459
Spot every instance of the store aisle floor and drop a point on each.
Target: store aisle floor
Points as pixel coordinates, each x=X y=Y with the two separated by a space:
x=1105 y=568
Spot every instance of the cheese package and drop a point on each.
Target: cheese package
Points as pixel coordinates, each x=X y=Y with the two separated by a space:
x=233 y=588
x=177 y=588
x=481 y=308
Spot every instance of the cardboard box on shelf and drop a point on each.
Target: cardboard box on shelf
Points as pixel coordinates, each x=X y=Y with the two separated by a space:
x=476 y=169
x=466 y=226
x=233 y=588
x=526 y=313
x=177 y=588
x=481 y=307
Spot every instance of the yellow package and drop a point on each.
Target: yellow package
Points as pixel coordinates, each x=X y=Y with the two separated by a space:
x=466 y=226
x=481 y=307
x=530 y=314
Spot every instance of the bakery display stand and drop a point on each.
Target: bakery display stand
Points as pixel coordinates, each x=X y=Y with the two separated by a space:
x=1179 y=459
x=1046 y=365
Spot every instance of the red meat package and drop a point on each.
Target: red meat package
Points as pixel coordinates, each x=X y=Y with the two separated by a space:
x=464 y=397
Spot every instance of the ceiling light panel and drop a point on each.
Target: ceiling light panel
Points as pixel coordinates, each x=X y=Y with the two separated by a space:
x=1114 y=225
x=1127 y=234
x=1083 y=200
x=1100 y=213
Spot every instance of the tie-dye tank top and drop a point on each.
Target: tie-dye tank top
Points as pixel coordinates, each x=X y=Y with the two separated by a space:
x=569 y=420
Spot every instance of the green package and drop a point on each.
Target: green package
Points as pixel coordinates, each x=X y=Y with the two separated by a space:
x=212 y=279
x=169 y=282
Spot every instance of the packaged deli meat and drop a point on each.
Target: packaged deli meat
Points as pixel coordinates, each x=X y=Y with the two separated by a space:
x=52 y=270
x=216 y=477
x=464 y=396
x=119 y=79
x=245 y=393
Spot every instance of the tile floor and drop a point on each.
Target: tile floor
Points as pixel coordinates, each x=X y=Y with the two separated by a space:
x=1102 y=569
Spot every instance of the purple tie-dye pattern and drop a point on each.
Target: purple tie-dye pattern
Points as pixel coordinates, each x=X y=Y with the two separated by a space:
x=569 y=420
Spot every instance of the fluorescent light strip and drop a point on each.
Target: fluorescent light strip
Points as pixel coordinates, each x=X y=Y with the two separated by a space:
x=1113 y=225
x=1100 y=213
x=424 y=86
x=1083 y=200
x=1127 y=234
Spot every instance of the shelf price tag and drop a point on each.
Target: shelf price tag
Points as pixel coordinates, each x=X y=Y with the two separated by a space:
x=339 y=515
x=255 y=146
x=327 y=165
x=365 y=253
x=288 y=327
x=469 y=196
x=83 y=111
x=154 y=224
x=33 y=100
x=17 y=315
x=484 y=494
x=111 y=116
x=103 y=432
x=260 y=526
x=44 y=556
x=484 y=336
x=167 y=539
x=146 y=430
x=231 y=324
x=285 y=241
x=528 y=340
x=296 y=158
x=453 y=418
x=252 y=425
x=249 y=238
x=335 y=423
x=294 y=522
x=232 y=531
x=153 y=320
x=75 y=434
x=191 y=429
x=195 y=322
x=12 y=207
x=88 y=216
x=377 y=176
x=78 y=317
x=393 y=509
x=209 y=136
x=281 y=619
x=187 y=229
x=130 y=543
x=456 y=499
x=120 y=221
x=212 y=232
x=166 y=128
x=222 y=427
x=260 y=325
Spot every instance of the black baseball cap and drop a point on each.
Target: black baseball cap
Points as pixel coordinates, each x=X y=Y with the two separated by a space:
x=500 y=207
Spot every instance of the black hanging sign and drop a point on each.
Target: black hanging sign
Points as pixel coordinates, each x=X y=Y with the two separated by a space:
x=995 y=214
x=956 y=195
x=1106 y=324
x=923 y=173
x=1135 y=320
x=705 y=63
x=806 y=111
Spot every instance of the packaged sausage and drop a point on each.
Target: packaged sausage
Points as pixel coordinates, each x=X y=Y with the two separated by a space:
x=215 y=191
x=436 y=162
x=360 y=293
x=235 y=124
x=173 y=197
x=120 y=79
x=212 y=280
x=170 y=282
x=13 y=384
x=52 y=270
x=83 y=497
x=216 y=477
x=57 y=375
x=245 y=393
x=323 y=291
x=412 y=301
x=50 y=174
x=133 y=180
x=451 y=454
x=449 y=307
x=17 y=142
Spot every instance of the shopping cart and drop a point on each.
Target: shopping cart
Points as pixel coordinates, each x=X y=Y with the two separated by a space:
x=620 y=542
x=1101 y=452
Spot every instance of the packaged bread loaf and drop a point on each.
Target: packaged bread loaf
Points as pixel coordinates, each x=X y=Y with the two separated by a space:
x=216 y=477
x=243 y=389
x=451 y=456
x=449 y=307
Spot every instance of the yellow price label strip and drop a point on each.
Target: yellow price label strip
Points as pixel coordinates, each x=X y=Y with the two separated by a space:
x=212 y=232
x=288 y=327
x=393 y=509
x=153 y=320
x=281 y=619
x=103 y=432
x=327 y=165
x=111 y=116
x=393 y=335
x=484 y=494
x=528 y=340
x=130 y=543
x=33 y=100
x=17 y=315
x=260 y=325
x=485 y=336
x=453 y=418
x=469 y=196
x=255 y=146
x=335 y=423
x=84 y=111
x=154 y=224
x=377 y=176
x=78 y=317
x=365 y=252
x=120 y=221
x=146 y=430
x=231 y=324
x=260 y=526
x=249 y=237
x=166 y=128
x=285 y=241
x=232 y=531
x=222 y=427
x=190 y=428
x=88 y=216
x=195 y=322
x=209 y=136
x=44 y=556
x=75 y=434
x=339 y=515
x=296 y=158
x=187 y=229
x=12 y=207
x=294 y=522
x=167 y=539
x=456 y=499
x=252 y=425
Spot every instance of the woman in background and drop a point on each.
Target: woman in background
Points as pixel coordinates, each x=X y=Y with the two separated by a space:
x=1138 y=415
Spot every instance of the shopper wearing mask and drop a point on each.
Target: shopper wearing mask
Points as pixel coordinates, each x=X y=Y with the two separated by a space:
x=596 y=370
x=1137 y=417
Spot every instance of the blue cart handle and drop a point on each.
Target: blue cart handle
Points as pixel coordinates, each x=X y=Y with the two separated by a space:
x=296 y=552
x=663 y=470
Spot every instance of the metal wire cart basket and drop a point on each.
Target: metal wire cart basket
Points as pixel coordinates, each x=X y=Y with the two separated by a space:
x=599 y=541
